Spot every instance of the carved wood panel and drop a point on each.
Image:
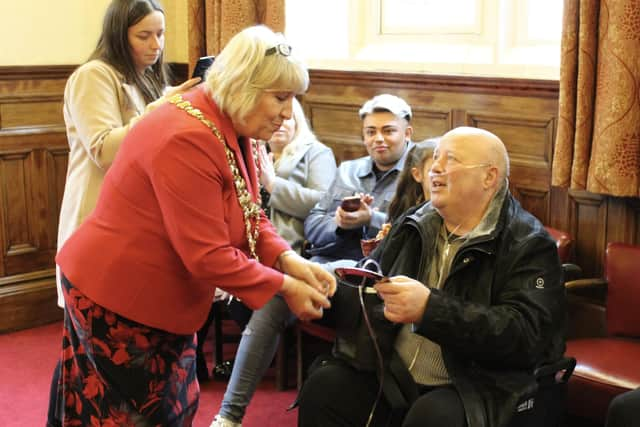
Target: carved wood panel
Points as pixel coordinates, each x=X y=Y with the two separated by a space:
x=31 y=113
x=536 y=202
x=33 y=161
x=17 y=203
x=588 y=213
x=31 y=187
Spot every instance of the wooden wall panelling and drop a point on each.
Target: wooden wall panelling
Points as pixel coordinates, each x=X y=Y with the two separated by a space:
x=334 y=125
x=29 y=213
x=3 y=226
x=33 y=160
x=536 y=202
x=29 y=227
x=623 y=220
x=588 y=216
x=559 y=208
x=528 y=140
x=634 y=237
x=28 y=300
x=339 y=126
x=30 y=112
x=15 y=178
x=521 y=113
x=57 y=161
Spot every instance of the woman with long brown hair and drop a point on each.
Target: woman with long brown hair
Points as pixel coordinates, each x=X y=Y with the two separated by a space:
x=124 y=80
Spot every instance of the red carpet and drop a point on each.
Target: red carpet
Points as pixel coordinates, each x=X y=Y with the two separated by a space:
x=27 y=359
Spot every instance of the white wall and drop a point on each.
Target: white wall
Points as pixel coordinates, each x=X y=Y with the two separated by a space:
x=62 y=32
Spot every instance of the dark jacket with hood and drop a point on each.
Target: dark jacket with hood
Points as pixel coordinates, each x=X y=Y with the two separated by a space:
x=501 y=311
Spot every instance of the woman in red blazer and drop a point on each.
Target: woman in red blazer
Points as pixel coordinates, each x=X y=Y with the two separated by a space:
x=179 y=215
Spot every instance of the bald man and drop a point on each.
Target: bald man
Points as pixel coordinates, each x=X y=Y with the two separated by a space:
x=476 y=283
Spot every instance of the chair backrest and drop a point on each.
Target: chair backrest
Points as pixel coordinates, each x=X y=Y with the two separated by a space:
x=564 y=242
x=622 y=272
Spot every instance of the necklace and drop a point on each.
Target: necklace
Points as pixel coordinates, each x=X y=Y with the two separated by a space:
x=250 y=209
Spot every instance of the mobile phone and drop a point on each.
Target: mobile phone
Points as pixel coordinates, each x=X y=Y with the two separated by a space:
x=350 y=204
x=202 y=66
x=355 y=276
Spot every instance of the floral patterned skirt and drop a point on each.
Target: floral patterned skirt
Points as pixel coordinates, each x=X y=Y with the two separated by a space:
x=117 y=372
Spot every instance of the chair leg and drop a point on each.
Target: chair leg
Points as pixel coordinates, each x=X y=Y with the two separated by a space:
x=299 y=367
x=202 y=333
x=217 y=325
x=221 y=368
x=282 y=372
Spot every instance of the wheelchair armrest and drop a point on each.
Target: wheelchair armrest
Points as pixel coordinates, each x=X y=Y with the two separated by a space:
x=592 y=289
x=571 y=271
x=564 y=366
x=585 y=284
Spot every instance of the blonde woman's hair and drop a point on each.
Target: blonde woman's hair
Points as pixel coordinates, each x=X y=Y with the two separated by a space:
x=302 y=132
x=243 y=70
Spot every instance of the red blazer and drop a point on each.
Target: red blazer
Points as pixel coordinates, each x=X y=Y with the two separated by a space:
x=168 y=228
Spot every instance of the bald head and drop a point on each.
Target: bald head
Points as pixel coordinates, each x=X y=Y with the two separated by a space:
x=469 y=168
x=483 y=145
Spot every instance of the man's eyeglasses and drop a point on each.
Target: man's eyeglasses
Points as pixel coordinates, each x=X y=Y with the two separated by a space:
x=449 y=161
x=457 y=166
x=472 y=166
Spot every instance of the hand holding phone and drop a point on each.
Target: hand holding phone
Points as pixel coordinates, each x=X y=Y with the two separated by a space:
x=202 y=66
x=355 y=276
x=351 y=203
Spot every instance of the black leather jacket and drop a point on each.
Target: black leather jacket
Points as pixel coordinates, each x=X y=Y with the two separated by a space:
x=501 y=311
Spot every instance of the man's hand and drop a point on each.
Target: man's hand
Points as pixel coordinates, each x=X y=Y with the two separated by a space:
x=267 y=171
x=351 y=220
x=181 y=88
x=405 y=299
x=171 y=91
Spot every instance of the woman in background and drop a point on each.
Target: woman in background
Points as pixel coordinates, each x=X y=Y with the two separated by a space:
x=413 y=182
x=295 y=175
x=104 y=98
x=179 y=215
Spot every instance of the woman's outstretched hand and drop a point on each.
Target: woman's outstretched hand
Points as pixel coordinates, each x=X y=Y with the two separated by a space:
x=289 y=262
x=303 y=300
x=307 y=286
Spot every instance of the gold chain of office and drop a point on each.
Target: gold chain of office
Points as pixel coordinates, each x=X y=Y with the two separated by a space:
x=250 y=209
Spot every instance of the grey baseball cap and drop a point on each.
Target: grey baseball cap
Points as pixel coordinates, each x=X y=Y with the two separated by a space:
x=388 y=102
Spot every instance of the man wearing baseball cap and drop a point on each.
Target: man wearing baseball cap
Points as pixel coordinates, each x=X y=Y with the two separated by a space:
x=335 y=233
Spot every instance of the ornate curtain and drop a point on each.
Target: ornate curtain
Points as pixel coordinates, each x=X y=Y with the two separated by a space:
x=598 y=139
x=213 y=22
